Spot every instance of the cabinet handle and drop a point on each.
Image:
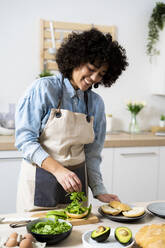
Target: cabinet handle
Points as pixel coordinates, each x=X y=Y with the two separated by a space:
x=137 y=154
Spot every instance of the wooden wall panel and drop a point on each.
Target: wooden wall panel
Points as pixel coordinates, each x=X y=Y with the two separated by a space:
x=61 y=30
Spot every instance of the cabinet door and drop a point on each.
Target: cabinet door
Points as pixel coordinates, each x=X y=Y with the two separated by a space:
x=136 y=173
x=9 y=169
x=161 y=181
x=106 y=171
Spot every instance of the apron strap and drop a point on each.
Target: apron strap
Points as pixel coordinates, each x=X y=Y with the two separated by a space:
x=86 y=102
x=58 y=113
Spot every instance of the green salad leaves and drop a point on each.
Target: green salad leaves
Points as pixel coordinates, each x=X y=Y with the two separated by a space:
x=75 y=207
x=50 y=227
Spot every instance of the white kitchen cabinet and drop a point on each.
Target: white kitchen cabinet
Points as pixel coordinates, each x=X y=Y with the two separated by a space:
x=135 y=173
x=106 y=168
x=9 y=170
x=161 y=178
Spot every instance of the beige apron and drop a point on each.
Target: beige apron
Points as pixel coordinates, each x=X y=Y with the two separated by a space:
x=64 y=139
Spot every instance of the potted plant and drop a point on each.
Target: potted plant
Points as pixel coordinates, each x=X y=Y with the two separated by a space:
x=162 y=120
x=134 y=108
x=45 y=73
x=156 y=23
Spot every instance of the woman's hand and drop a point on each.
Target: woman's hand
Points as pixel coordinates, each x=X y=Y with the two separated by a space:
x=107 y=197
x=68 y=179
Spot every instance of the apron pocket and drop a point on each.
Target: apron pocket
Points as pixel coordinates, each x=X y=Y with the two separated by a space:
x=48 y=192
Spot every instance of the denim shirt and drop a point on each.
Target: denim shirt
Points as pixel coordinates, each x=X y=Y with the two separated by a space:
x=33 y=111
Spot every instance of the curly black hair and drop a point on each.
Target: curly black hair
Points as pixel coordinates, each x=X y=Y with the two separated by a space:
x=92 y=46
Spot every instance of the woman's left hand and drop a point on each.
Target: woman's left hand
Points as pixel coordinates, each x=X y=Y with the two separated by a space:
x=107 y=197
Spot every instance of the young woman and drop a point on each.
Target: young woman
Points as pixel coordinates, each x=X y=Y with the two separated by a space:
x=60 y=123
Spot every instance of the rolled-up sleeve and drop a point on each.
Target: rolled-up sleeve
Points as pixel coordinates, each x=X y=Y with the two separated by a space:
x=28 y=118
x=93 y=151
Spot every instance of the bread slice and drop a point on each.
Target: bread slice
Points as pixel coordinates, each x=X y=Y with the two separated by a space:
x=134 y=212
x=77 y=216
x=108 y=210
x=120 y=206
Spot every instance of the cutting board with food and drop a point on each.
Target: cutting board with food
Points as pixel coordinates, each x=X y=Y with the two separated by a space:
x=75 y=212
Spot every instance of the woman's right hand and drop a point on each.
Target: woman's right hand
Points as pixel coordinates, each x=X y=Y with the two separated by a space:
x=68 y=179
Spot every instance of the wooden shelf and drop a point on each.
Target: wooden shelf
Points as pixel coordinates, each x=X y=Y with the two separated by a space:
x=61 y=31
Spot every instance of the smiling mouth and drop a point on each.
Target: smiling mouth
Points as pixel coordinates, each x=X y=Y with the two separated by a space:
x=87 y=82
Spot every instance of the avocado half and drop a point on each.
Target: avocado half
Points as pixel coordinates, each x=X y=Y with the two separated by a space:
x=123 y=235
x=100 y=234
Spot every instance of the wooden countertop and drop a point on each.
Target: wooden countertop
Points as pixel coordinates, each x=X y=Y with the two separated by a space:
x=118 y=139
x=123 y=139
x=75 y=239
x=7 y=143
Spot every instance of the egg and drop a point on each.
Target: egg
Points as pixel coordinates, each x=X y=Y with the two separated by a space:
x=12 y=240
x=26 y=243
x=13 y=235
x=29 y=236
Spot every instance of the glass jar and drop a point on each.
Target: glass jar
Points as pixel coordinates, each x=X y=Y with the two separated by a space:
x=133 y=126
x=108 y=123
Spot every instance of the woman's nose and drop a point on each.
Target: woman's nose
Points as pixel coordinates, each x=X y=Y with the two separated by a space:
x=95 y=77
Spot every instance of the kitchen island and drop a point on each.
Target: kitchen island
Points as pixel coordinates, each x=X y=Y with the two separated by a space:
x=75 y=239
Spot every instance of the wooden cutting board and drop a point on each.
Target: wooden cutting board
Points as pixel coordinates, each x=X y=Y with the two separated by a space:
x=75 y=222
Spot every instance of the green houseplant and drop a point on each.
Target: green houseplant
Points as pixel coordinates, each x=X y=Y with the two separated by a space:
x=156 y=23
x=45 y=73
x=162 y=117
x=162 y=121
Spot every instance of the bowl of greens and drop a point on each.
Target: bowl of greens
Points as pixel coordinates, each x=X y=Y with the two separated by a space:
x=49 y=230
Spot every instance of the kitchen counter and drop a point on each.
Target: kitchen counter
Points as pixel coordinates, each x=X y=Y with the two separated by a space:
x=7 y=143
x=123 y=139
x=74 y=240
x=118 y=139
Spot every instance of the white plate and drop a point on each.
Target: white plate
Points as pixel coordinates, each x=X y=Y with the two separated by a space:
x=111 y=242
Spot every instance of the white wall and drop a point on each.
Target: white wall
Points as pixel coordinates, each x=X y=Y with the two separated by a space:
x=19 y=50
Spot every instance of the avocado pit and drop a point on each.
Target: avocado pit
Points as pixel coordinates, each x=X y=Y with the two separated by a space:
x=123 y=235
x=100 y=234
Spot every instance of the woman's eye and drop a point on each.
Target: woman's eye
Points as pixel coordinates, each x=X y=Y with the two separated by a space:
x=91 y=69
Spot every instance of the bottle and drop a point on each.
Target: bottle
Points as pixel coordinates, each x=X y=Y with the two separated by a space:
x=108 y=123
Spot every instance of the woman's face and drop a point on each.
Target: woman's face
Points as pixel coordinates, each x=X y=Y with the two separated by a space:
x=86 y=75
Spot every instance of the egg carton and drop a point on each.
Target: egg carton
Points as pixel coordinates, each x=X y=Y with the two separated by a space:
x=35 y=244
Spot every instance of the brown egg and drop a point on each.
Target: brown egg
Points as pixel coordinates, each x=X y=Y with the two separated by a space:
x=13 y=235
x=12 y=240
x=26 y=243
x=29 y=236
